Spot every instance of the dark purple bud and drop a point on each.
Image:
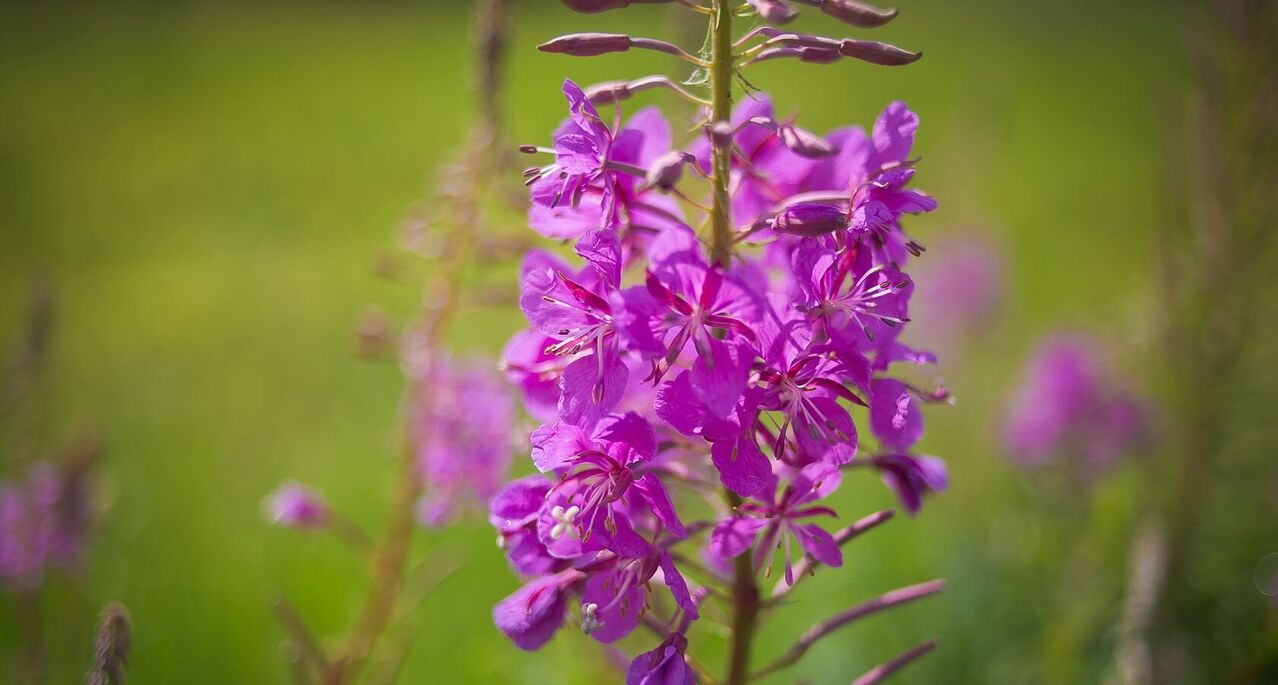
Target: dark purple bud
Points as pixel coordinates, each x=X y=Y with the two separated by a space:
x=857 y=13
x=819 y=55
x=587 y=44
x=875 y=52
x=774 y=11
x=593 y=6
x=666 y=171
x=803 y=142
x=608 y=92
x=810 y=219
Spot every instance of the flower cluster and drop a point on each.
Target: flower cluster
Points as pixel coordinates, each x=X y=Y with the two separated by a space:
x=732 y=371
x=756 y=366
x=44 y=518
x=1067 y=404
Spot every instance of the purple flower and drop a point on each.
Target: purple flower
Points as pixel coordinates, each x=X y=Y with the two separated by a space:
x=527 y=363
x=1065 y=405
x=664 y=665
x=859 y=306
x=911 y=477
x=781 y=520
x=514 y=512
x=531 y=615
x=686 y=300
x=43 y=522
x=894 y=414
x=875 y=171
x=459 y=423
x=594 y=182
x=294 y=505
x=576 y=310
x=960 y=288
x=615 y=594
x=597 y=470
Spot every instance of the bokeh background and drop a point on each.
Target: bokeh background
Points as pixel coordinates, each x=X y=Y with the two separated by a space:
x=205 y=187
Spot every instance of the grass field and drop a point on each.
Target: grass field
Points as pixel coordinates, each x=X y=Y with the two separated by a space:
x=206 y=187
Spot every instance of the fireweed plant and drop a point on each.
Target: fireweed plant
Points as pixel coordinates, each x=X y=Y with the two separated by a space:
x=716 y=339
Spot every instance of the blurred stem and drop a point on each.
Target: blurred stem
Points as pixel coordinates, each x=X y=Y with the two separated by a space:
x=391 y=556
x=745 y=609
x=721 y=74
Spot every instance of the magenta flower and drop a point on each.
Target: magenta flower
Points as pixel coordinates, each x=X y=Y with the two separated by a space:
x=615 y=593
x=912 y=477
x=664 y=665
x=531 y=615
x=858 y=306
x=686 y=300
x=595 y=181
x=576 y=310
x=535 y=371
x=597 y=472
x=1067 y=405
x=874 y=172
x=514 y=512
x=782 y=519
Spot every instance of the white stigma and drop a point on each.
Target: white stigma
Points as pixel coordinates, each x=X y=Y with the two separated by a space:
x=589 y=621
x=564 y=520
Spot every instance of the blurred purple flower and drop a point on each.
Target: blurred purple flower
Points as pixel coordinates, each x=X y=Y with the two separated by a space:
x=959 y=290
x=43 y=522
x=1068 y=405
x=459 y=419
x=294 y=505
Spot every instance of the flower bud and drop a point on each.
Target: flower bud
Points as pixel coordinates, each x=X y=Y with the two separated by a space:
x=856 y=13
x=819 y=55
x=875 y=52
x=666 y=171
x=296 y=506
x=587 y=44
x=810 y=219
x=774 y=11
x=803 y=142
x=594 y=6
x=608 y=92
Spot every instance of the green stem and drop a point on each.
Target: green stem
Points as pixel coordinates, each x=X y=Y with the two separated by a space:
x=745 y=613
x=721 y=75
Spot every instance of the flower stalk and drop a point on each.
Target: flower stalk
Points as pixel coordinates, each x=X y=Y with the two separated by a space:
x=722 y=72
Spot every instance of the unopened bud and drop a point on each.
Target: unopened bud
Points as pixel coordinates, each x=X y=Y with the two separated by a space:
x=804 y=142
x=875 y=52
x=608 y=92
x=819 y=55
x=774 y=11
x=594 y=6
x=810 y=219
x=857 y=13
x=666 y=171
x=587 y=44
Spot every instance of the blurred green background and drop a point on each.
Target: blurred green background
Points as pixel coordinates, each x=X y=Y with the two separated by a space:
x=206 y=186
